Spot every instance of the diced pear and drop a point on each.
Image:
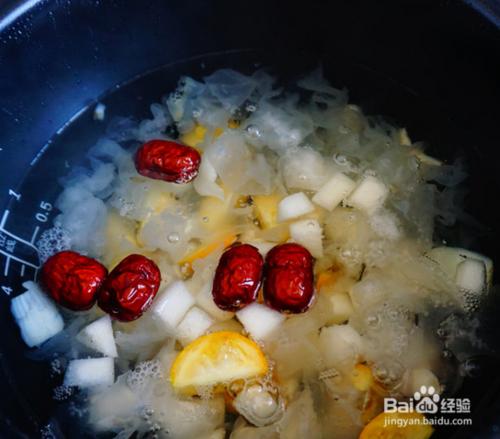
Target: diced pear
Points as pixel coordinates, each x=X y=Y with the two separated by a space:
x=194 y=324
x=171 y=306
x=416 y=378
x=334 y=191
x=90 y=372
x=449 y=258
x=308 y=233
x=36 y=315
x=294 y=206
x=342 y=308
x=341 y=346
x=98 y=335
x=369 y=195
x=259 y=320
x=471 y=275
x=266 y=209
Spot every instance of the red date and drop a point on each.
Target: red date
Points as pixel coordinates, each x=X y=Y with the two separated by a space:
x=130 y=288
x=168 y=161
x=289 y=278
x=237 y=277
x=73 y=280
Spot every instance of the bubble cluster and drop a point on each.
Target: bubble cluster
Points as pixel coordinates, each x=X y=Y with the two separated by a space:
x=47 y=433
x=144 y=372
x=52 y=241
x=56 y=368
x=61 y=393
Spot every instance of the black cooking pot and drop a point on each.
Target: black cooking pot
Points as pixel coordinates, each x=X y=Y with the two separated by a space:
x=432 y=66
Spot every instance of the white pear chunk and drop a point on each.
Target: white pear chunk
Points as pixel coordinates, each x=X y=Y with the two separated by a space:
x=309 y=234
x=173 y=304
x=36 y=315
x=205 y=300
x=293 y=206
x=194 y=324
x=449 y=258
x=342 y=308
x=259 y=320
x=471 y=276
x=98 y=335
x=90 y=372
x=341 y=346
x=414 y=379
x=334 y=191
x=369 y=195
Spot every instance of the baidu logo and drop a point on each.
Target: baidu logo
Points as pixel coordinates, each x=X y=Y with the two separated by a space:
x=426 y=400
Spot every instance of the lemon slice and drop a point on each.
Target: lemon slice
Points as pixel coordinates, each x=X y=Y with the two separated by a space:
x=397 y=426
x=217 y=358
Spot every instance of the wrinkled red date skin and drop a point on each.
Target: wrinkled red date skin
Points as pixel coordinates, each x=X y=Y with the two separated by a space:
x=237 y=277
x=289 y=278
x=73 y=280
x=130 y=288
x=168 y=161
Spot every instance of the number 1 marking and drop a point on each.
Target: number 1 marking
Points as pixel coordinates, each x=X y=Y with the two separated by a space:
x=14 y=194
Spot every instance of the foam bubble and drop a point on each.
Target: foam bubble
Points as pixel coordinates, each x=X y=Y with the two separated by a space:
x=47 y=433
x=61 y=393
x=144 y=372
x=52 y=241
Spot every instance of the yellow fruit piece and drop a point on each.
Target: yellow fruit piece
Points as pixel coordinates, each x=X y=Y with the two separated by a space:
x=361 y=377
x=397 y=426
x=217 y=358
x=266 y=209
x=195 y=136
x=204 y=250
